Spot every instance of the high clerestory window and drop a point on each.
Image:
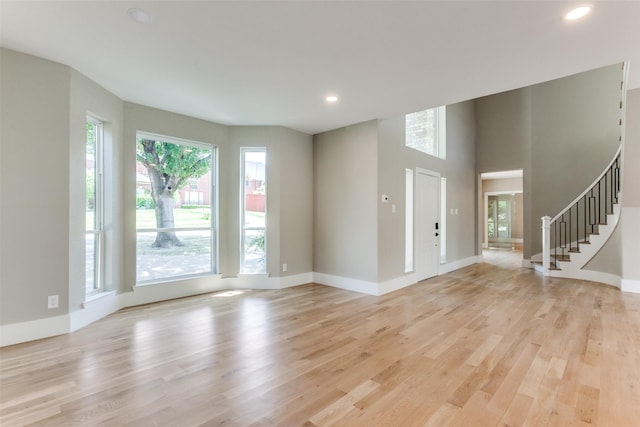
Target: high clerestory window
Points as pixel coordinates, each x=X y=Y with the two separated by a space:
x=426 y=131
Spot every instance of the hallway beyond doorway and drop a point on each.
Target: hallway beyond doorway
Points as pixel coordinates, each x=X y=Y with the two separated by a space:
x=505 y=258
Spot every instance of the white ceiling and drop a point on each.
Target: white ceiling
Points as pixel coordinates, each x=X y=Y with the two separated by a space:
x=273 y=63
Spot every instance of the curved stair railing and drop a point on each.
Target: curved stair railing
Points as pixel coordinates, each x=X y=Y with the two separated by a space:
x=572 y=227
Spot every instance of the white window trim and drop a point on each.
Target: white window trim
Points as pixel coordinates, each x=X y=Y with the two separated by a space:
x=243 y=151
x=98 y=228
x=213 y=217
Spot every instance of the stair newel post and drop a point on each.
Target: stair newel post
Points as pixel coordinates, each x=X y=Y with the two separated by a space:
x=546 y=244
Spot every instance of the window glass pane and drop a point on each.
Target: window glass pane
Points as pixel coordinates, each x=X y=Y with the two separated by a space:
x=254 y=210
x=426 y=131
x=174 y=209
x=421 y=131
x=192 y=257
x=93 y=204
x=254 y=251
x=90 y=264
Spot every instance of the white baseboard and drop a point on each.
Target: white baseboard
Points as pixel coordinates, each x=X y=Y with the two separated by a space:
x=110 y=303
x=461 y=263
x=397 y=283
x=349 y=284
x=630 y=286
x=94 y=310
x=102 y=306
x=295 y=280
x=590 y=275
x=31 y=330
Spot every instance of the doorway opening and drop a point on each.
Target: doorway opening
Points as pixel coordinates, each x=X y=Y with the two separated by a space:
x=503 y=207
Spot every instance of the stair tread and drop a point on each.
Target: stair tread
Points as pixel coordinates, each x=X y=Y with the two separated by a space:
x=553 y=267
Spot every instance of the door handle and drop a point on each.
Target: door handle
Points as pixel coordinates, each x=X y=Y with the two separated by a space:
x=437 y=234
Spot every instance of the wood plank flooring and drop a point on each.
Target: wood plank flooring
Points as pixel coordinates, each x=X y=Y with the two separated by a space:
x=488 y=345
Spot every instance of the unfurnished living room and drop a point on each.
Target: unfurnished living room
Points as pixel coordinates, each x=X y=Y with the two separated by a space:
x=315 y=213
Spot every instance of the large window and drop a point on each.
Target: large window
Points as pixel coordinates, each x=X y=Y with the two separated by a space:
x=175 y=209
x=254 y=212
x=426 y=131
x=94 y=235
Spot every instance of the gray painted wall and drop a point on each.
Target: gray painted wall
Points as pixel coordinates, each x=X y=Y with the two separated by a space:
x=562 y=134
x=458 y=169
x=503 y=137
x=631 y=154
x=631 y=189
x=345 y=202
x=296 y=202
x=575 y=134
x=35 y=135
x=43 y=114
x=89 y=98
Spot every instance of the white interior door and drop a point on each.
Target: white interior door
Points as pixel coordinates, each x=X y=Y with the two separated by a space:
x=427 y=231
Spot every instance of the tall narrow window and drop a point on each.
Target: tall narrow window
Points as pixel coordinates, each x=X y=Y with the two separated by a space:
x=443 y=219
x=408 y=221
x=94 y=234
x=254 y=212
x=426 y=131
x=175 y=209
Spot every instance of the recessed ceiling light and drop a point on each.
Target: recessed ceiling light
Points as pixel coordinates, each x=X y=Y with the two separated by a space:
x=331 y=98
x=139 y=15
x=577 y=13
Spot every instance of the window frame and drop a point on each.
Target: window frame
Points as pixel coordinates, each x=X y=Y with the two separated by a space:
x=97 y=230
x=242 y=216
x=439 y=133
x=213 y=215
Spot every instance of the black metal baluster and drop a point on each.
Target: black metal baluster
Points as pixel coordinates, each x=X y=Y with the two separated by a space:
x=555 y=242
x=599 y=199
x=578 y=226
x=585 y=218
x=569 y=230
x=606 y=197
x=592 y=212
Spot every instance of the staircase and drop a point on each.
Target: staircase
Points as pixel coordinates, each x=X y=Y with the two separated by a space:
x=574 y=236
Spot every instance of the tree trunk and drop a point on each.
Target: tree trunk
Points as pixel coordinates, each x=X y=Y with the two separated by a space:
x=164 y=219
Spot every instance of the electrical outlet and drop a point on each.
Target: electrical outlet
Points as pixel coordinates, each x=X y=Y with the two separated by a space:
x=52 y=301
x=284 y=267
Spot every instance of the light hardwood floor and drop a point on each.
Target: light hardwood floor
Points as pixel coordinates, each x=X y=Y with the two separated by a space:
x=490 y=344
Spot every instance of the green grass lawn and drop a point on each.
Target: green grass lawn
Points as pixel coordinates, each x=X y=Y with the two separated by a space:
x=146 y=218
x=190 y=218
